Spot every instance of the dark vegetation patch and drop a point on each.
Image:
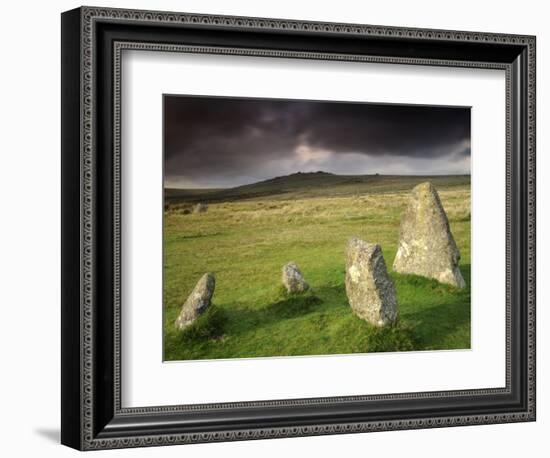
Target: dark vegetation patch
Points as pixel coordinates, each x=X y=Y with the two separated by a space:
x=290 y=305
x=210 y=325
x=394 y=338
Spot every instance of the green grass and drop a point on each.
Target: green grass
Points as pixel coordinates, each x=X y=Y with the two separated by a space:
x=246 y=241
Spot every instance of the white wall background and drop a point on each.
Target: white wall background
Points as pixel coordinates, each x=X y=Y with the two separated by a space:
x=30 y=214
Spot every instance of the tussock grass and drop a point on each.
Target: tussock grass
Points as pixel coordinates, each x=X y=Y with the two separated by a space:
x=395 y=338
x=206 y=330
x=207 y=326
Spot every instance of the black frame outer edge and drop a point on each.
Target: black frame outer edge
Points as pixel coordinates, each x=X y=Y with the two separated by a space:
x=70 y=229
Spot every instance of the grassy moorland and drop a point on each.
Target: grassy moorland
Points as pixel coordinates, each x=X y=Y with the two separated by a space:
x=250 y=232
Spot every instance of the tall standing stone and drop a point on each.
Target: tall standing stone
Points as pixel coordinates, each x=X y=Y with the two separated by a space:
x=293 y=280
x=370 y=290
x=426 y=244
x=198 y=301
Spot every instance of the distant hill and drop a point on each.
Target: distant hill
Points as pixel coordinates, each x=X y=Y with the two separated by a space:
x=314 y=184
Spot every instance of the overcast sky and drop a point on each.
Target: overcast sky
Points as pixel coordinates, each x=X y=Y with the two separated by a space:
x=226 y=142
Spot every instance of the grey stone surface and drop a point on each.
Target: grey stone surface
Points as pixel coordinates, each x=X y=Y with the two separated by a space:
x=201 y=207
x=293 y=279
x=426 y=244
x=198 y=301
x=370 y=290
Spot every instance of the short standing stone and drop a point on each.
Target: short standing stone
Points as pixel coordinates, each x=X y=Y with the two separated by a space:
x=370 y=290
x=197 y=302
x=201 y=207
x=293 y=279
x=426 y=244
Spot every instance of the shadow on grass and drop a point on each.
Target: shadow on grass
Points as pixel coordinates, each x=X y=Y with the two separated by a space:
x=291 y=305
x=285 y=307
x=236 y=319
x=326 y=326
x=432 y=317
x=435 y=311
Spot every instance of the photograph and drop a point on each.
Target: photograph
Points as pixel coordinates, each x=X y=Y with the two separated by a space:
x=311 y=228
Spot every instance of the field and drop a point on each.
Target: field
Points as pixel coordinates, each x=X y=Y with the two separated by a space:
x=248 y=234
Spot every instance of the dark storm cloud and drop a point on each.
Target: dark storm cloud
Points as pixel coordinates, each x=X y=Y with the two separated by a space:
x=232 y=140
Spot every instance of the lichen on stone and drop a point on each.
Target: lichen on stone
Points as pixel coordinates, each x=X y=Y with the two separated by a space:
x=426 y=245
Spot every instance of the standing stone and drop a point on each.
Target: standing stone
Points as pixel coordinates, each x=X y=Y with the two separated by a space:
x=426 y=245
x=197 y=302
x=293 y=279
x=370 y=290
x=201 y=207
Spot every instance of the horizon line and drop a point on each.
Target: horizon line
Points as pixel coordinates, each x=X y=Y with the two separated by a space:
x=326 y=173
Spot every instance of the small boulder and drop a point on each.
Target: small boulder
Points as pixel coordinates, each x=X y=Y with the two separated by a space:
x=198 y=301
x=293 y=279
x=201 y=207
x=370 y=290
x=426 y=244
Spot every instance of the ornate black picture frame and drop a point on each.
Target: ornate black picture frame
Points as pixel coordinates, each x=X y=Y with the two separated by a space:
x=92 y=42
